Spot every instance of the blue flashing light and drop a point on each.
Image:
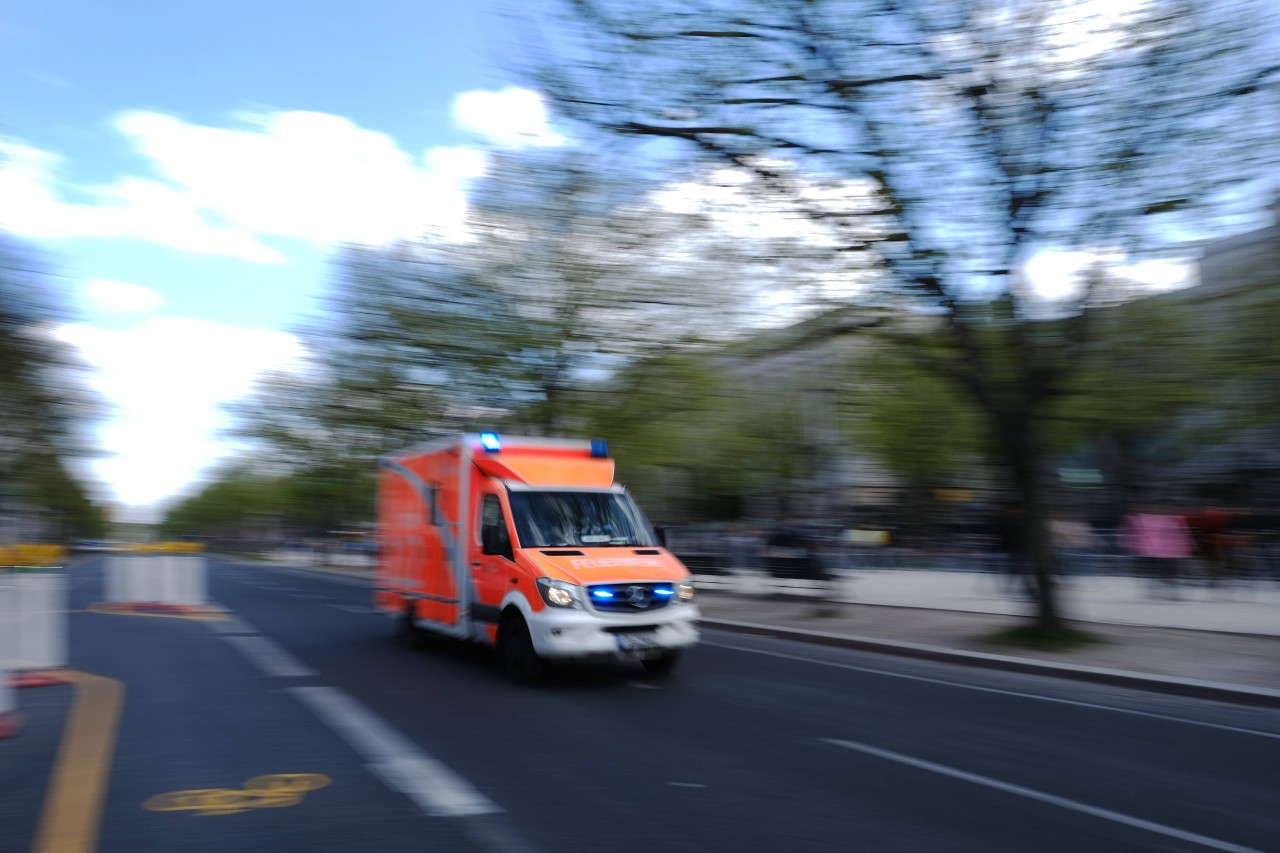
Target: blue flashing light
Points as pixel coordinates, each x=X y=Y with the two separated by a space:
x=602 y=593
x=664 y=590
x=599 y=448
x=489 y=441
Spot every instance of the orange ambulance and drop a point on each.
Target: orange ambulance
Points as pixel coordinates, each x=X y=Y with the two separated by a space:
x=527 y=545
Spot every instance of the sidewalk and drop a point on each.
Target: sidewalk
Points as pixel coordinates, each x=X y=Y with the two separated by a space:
x=1228 y=636
x=1247 y=608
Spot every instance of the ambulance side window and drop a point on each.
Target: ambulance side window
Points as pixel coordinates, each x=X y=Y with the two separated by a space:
x=493 y=529
x=434 y=509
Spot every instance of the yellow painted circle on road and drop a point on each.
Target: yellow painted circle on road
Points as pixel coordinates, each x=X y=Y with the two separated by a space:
x=298 y=783
x=273 y=791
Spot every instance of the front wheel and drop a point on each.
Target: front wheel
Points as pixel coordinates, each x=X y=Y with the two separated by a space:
x=516 y=652
x=661 y=665
x=407 y=632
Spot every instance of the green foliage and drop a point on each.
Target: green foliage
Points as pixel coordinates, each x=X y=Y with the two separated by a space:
x=689 y=443
x=228 y=504
x=46 y=483
x=45 y=403
x=915 y=422
x=1146 y=365
x=1061 y=639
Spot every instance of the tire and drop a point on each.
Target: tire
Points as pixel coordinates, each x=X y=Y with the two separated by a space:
x=407 y=633
x=661 y=665
x=516 y=652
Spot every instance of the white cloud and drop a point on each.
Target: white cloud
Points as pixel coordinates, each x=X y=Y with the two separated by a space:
x=122 y=296
x=307 y=175
x=32 y=204
x=727 y=198
x=167 y=379
x=295 y=174
x=1060 y=275
x=510 y=118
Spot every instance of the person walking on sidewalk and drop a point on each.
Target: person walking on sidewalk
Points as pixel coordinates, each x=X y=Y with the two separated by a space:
x=1010 y=531
x=1161 y=542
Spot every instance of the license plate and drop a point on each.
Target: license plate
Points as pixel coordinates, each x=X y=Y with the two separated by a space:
x=637 y=642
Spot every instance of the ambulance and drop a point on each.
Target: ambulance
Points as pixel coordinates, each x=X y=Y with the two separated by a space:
x=529 y=546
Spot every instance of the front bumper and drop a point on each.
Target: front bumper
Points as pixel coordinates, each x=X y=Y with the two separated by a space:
x=580 y=635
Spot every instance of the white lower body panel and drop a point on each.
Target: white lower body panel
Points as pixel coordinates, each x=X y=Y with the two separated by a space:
x=578 y=635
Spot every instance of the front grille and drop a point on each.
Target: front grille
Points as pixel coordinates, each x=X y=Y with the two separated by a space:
x=630 y=597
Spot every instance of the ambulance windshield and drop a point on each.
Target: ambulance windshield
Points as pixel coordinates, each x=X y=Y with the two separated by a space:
x=584 y=519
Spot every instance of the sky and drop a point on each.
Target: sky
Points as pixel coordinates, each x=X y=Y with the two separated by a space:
x=186 y=171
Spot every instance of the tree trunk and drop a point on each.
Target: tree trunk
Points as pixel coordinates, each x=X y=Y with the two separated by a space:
x=1021 y=450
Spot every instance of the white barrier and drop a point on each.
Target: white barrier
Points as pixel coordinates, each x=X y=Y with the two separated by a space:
x=187 y=580
x=177 y=579
x=8 y=696
x=33 y=613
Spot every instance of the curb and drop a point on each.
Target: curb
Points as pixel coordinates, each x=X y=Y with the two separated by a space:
x=1214 y=690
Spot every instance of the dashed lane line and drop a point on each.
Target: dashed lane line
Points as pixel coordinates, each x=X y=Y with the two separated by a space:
x=395 y=759
x=269 y=657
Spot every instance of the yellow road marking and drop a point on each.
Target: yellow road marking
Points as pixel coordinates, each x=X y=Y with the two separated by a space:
x=273 y=791
x=72 y=811
x=194 y=616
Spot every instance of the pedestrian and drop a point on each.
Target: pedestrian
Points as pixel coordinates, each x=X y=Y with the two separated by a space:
x=1009 y=525
x=1208 y=528
x=1075 y=542
x=1160 y=540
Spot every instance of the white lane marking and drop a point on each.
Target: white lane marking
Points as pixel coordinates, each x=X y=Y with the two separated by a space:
x=355 y=608
x=1041 y=796
x=270 y=658
x=686 y=784
x=1017 y=693
x=643 y=686
x=395 y=759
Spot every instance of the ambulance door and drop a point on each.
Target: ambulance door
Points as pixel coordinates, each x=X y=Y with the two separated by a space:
x=492 y=556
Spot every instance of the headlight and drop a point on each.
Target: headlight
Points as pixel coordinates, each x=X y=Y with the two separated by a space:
x=558 y=593
x=684 y=591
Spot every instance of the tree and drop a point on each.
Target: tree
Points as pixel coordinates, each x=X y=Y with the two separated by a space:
x=45 y=403
x=568 y=271
x=690 y=443
x=943 y=143
x=229 y=505
x=917 y=425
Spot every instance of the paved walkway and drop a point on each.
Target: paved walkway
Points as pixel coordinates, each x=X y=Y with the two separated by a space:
x=1229 y=658
x=1251 y=607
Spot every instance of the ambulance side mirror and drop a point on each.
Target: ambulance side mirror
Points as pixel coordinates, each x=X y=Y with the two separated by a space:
x=491 y=545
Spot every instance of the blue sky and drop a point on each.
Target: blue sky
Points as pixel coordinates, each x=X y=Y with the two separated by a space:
x=187 y=170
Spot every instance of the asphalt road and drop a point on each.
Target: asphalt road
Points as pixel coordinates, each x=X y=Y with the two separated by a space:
x=756 y=744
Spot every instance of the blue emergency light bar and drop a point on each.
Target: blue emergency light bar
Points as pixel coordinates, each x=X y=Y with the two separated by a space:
x=489 y=441
x=599 y=448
